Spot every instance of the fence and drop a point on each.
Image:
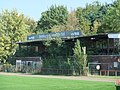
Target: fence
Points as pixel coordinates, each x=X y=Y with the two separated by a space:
x=47 y=71
x=110 y=72
x=107 y=69
x=60 y=71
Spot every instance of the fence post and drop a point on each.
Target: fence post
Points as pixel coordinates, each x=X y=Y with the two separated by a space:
x=115 y=72
x=100 y=72
x=107 y=72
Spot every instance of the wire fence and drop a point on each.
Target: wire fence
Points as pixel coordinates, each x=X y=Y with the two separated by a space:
x=60 y=71
x=45 y=71
x=106 y=69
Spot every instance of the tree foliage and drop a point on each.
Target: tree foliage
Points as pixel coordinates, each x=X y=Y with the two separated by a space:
x=94 y=18
x=80 y=56
x=90 y=17
x=55 y=15
x=13 y=28
x=72 y=21
x=71 y=24
x=111 y=21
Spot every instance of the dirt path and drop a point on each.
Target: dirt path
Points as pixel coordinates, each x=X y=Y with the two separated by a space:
x=63 y=77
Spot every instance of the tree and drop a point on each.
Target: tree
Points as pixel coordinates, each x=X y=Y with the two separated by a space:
x=56 y=15
x=71 y=24
x=80 y=56
x=72 y=21
x=84 y=24
x=89 y=18
x=53 y=46
x=13 y=28
x=30 y=25
x=111 y=21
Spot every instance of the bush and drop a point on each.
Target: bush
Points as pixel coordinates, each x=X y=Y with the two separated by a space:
x=7 y=67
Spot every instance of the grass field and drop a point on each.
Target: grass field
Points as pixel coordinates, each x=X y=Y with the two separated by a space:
x=32 y=83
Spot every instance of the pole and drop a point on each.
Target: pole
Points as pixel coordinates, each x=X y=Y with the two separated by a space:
x=108 y=46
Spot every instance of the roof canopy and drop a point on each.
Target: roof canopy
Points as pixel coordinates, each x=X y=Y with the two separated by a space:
x=116 y=35
x=66 y=35
x=63 y=35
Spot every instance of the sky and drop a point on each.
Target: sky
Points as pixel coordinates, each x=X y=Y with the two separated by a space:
x=34 y=8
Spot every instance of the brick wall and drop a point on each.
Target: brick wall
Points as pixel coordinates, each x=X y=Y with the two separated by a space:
x=105 y=58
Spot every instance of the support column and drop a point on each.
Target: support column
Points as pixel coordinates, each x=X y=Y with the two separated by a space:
x=20 y=49
x=27 y=51
x=115 y=72
x=108 y=46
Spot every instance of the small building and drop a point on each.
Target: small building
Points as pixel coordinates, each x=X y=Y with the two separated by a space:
x=28 y=64
x=102 y=49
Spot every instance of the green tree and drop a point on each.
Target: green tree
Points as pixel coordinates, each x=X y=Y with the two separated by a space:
x=72 y=21
x=111 y=21
x=30 y=25
x=84 y=24
x=89 y=17
x=80 y=57
x=71 y=24
x=55 y=15
x=13 y=28
x=53 y=45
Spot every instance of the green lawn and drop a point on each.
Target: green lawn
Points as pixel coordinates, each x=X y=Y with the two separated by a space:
x=30 y=83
